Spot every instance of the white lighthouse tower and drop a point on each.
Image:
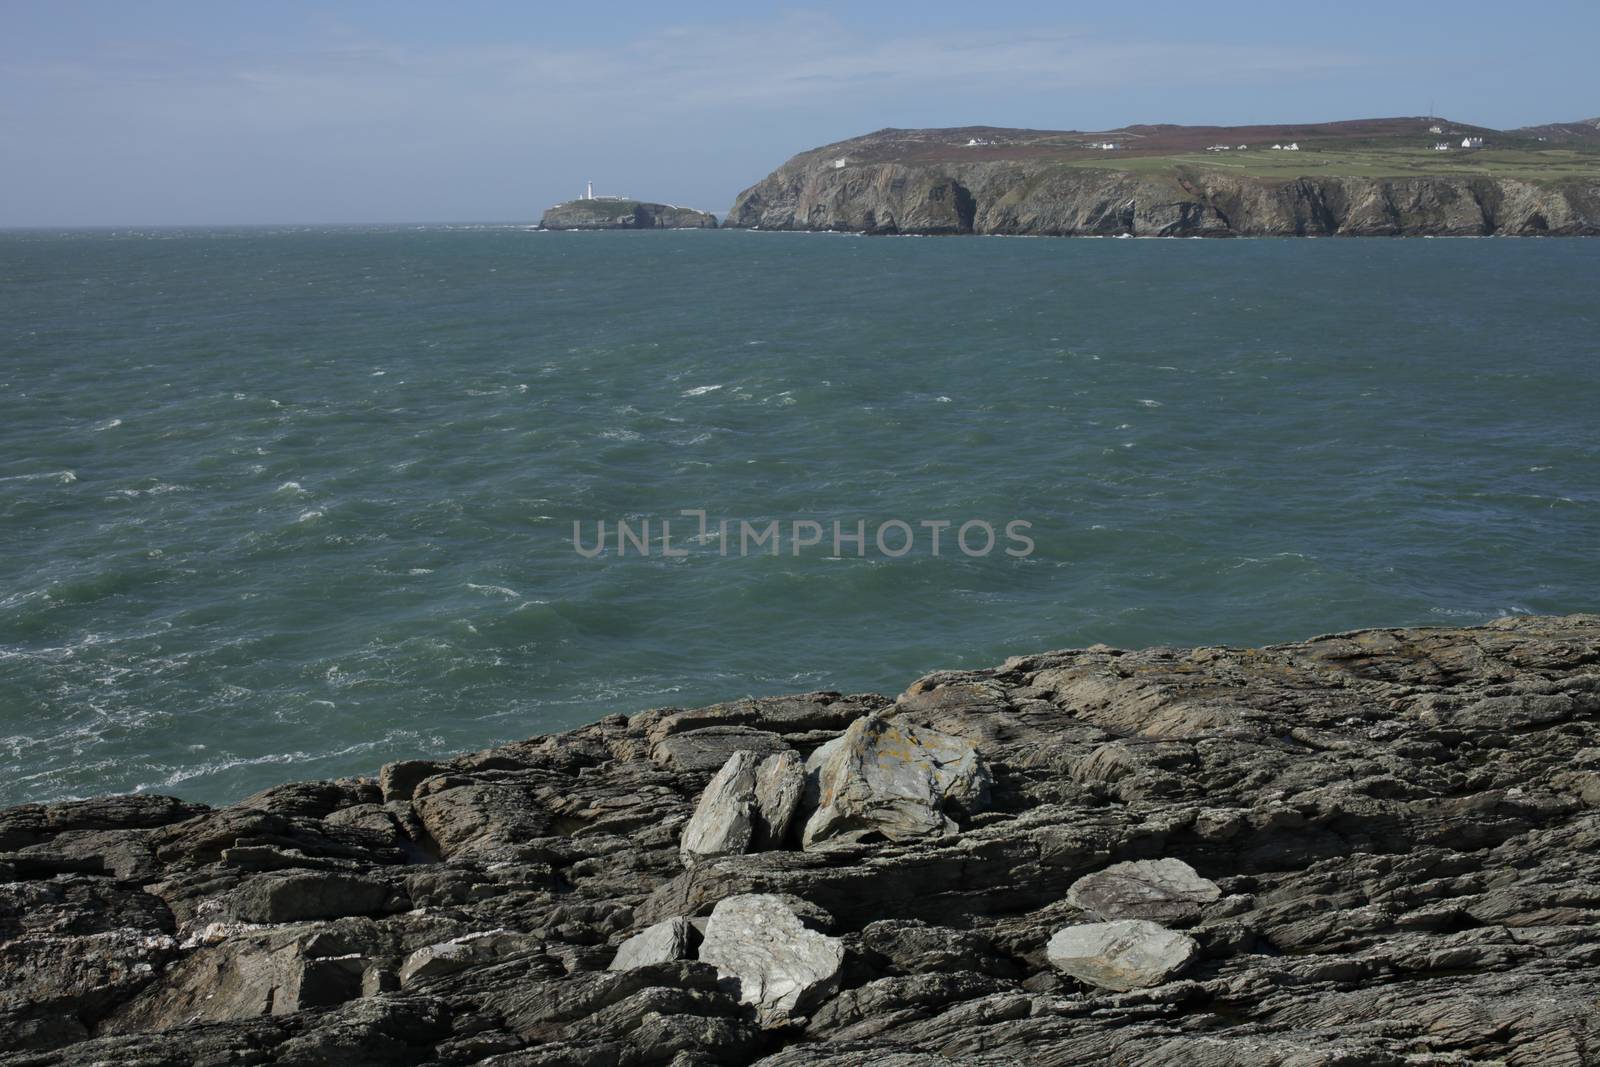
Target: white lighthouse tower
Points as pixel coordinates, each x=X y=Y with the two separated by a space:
x=588 y=192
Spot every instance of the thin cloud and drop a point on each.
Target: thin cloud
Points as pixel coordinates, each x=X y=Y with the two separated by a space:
x=786 y=63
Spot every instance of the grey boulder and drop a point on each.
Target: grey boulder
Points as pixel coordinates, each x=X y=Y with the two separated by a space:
x=667 y=940
x=1122 y=955
x=889 y=777
x=780 y=786
x=758 y=942
x=1164 y=890
x=749 y=805
x=723 y=822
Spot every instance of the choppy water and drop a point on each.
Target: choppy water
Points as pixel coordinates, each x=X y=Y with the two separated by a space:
x=289 y=503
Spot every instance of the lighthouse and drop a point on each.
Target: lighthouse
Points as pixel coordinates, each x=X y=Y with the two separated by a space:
x=588 y=191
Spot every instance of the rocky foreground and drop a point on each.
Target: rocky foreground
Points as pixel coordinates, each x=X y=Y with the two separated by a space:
x=1379 y=847
x=1029 y=184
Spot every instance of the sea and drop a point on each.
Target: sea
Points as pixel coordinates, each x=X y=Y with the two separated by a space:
x=285 y=503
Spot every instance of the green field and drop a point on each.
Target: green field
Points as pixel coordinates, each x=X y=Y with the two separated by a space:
x=1549 y=164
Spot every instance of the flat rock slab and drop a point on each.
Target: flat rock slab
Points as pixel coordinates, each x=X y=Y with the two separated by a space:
x=1164 y=891
x=891 y=778
x=782 y=968
x=1122 y=955
x=709 y=748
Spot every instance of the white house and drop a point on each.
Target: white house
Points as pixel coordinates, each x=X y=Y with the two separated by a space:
x=1442 y=146
x=1472 y=142
x=1435 y=129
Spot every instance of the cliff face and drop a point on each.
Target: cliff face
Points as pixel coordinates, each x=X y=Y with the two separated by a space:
x=1378 y=847
x=1026 y=197
x=608 y=214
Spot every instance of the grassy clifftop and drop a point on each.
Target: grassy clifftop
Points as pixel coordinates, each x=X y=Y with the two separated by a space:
x=1368 y=177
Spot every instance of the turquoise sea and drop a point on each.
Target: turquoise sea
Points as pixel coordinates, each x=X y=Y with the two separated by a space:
x=288 y=503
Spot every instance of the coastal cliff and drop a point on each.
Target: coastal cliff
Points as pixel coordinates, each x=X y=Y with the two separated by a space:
x=1377 y=847
x=892 y=182
x=612 y=213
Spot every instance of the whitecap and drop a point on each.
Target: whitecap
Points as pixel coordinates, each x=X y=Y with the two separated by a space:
x=701 y=390
x=309 y=516
x=64 y=477
x=290 y=487
x=942 y=400
x=498 y=590
x=1151 y=403
x=201 y=770
x=109 y=424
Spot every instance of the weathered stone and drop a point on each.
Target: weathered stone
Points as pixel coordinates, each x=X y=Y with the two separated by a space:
x=723 y=823
x=282 y=898
x=670 y=939
x=1121 y=955
x=891 y=779
x=709 y=747
x=399 y=780
x=799 y=713
x=1163 y=891
x=757 y=941
x=459 y=953
x=908 y=946
x=780 y=786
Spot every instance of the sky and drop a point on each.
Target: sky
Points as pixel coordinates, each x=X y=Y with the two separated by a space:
x=171 y=112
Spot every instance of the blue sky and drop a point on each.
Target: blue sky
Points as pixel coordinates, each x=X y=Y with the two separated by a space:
x=231 y=112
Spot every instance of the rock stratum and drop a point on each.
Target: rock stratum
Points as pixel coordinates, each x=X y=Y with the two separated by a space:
x=1379 y=847
x=1358 y=179
x=614 y=213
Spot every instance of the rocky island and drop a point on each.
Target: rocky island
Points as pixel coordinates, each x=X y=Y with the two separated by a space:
x=620 y=213
x=1377 y=847
x=1392 y=177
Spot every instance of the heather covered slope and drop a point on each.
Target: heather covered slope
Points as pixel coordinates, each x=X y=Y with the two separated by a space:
x=1375 y=847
